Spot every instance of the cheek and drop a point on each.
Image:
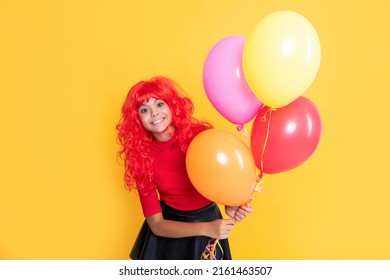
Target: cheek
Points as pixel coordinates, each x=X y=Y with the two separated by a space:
x=143 y=119
x=168 y=112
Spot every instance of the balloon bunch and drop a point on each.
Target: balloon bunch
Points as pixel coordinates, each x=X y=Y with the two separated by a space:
x=261 y=77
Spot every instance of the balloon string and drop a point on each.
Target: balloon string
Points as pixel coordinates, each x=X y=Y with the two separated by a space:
x=259 y=181
x=210 y=252
x=256 y=188
x=263 y=119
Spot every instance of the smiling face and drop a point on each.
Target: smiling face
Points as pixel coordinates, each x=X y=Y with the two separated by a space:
x=156 y=117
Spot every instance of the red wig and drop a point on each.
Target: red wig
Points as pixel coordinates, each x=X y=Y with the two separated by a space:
x=136 y=140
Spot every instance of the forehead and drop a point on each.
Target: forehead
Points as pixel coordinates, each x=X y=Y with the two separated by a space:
x=149 y=102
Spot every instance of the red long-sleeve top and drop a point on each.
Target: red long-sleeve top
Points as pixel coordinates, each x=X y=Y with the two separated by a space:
x=171 y=182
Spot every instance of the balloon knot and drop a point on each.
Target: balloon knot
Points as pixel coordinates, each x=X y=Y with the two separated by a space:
x=259 y=181
x=242 y=130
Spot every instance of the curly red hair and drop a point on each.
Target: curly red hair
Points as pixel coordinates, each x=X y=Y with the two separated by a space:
x=136 y=141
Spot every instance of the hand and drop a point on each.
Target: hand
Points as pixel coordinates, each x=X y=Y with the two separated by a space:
x=238 y=212
x=220 y=228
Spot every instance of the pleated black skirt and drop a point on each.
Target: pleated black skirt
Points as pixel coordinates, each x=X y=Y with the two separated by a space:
x=149 y=246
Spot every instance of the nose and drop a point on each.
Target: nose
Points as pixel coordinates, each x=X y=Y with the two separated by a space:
x=154 y=113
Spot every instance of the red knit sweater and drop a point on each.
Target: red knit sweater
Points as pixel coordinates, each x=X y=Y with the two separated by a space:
x=171 y=182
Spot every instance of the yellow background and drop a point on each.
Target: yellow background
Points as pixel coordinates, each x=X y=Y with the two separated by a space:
x=66 y=67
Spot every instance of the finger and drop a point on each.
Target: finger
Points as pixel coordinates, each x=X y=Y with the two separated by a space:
x=247 y=209
x=231 y=222
x=241 y=213
x=239 y=217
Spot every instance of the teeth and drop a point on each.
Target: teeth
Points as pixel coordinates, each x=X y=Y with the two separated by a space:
x=158 y=121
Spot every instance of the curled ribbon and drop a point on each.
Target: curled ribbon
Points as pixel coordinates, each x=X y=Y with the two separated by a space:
x=263 y=119
x=210 y=251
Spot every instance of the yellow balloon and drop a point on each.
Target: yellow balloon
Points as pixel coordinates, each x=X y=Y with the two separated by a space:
x=281 y=58
x=221 y=167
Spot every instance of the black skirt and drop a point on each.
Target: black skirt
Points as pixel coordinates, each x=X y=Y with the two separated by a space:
x=149 y=246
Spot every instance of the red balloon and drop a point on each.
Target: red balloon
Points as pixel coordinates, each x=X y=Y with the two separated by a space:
x=284 y=138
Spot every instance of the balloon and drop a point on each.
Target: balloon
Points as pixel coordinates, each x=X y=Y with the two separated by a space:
x=283 y=139
x=225 y=84
x=281 y=58
x=221 y=167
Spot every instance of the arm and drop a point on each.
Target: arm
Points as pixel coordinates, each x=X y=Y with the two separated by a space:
x=218 y=229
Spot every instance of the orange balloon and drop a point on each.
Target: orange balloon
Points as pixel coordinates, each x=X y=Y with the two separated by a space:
x=221 y=167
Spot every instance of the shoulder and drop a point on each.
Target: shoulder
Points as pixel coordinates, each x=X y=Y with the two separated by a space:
x=197 y=128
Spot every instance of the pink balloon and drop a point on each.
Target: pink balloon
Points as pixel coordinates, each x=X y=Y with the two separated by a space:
x=225 y=84
x=285 y=138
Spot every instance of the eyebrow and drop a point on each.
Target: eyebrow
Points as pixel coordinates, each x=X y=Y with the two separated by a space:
x=155 y=101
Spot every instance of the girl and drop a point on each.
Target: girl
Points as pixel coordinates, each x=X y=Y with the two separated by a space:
x=154 y=131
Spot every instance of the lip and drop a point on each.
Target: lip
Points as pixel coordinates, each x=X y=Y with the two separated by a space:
x=158 y=121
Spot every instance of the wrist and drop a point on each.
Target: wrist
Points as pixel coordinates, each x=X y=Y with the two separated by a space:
x=203 y=228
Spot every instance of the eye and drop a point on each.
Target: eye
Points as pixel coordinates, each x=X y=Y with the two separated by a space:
x=143 y=110
x=160 y=104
